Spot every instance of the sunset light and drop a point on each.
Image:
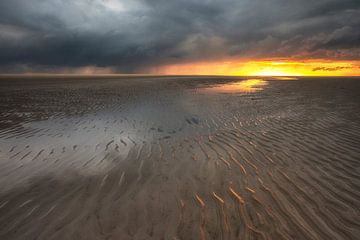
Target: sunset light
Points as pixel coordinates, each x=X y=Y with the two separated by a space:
x=266 y=68
x=182 y=119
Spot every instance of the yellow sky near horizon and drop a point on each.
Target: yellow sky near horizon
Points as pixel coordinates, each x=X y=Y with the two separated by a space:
x=265 y=68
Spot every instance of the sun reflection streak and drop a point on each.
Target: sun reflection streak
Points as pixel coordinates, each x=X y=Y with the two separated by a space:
x=243 y=86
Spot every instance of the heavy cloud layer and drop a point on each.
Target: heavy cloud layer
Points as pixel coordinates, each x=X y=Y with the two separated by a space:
x=132 y=35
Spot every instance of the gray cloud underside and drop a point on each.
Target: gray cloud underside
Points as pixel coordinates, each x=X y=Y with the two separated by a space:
x=130 y=35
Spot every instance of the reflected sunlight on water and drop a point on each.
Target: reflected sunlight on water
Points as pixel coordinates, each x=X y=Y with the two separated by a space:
x=286 y=78
x=244 y=86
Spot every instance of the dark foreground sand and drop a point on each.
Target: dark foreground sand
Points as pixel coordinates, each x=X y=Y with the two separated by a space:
x=180 y=158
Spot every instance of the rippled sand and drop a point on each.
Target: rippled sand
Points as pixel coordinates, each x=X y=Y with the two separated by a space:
x=180 y=158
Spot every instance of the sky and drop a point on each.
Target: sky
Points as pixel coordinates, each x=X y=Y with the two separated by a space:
x=235 y=37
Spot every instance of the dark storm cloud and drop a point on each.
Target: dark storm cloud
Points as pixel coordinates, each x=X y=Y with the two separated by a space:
x=130 y=35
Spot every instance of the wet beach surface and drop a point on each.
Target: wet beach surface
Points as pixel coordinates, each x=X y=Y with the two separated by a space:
x=180 y=158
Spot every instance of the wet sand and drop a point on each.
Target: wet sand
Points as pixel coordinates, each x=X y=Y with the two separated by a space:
x=180 y=158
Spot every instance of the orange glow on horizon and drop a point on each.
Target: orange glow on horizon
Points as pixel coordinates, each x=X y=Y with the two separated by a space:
x=265 y=68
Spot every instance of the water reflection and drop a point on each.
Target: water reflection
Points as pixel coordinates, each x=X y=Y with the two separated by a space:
x=243 y=86
x=286 y=78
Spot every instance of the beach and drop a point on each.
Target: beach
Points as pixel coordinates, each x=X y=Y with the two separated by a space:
x=179 y=157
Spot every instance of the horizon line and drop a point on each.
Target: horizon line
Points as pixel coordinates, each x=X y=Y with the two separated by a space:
x=29 y=75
